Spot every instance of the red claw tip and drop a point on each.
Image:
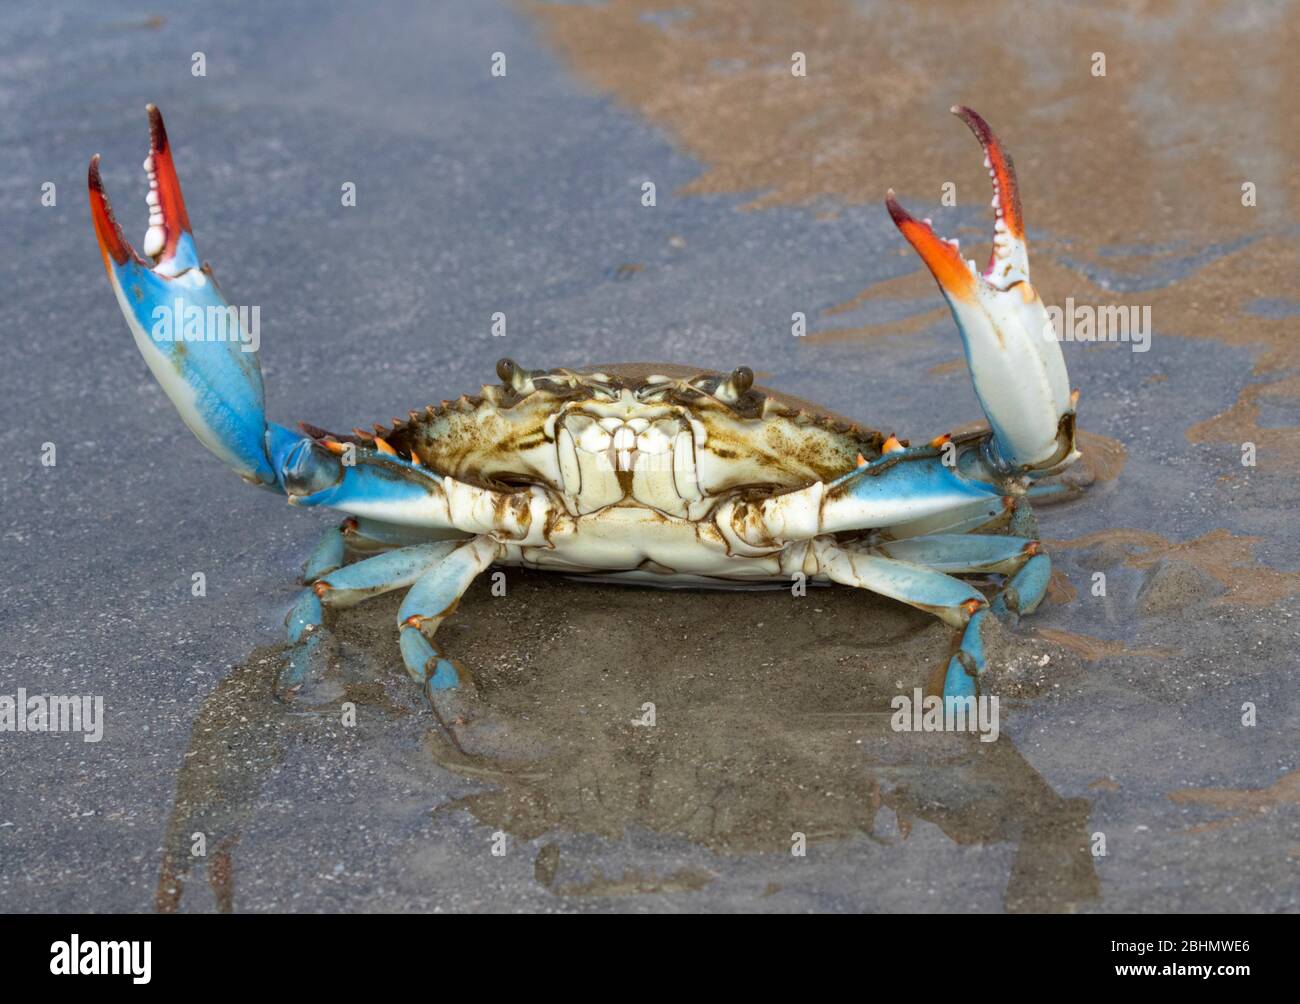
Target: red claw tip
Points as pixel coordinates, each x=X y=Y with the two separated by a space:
x=176 y=220
x=943 y=259
x=112 y=244
x=1005 y=186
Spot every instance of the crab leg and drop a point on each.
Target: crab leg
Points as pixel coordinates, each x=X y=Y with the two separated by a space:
x=344 y=587
x=910 y=486
x=432 y=600
x=963 y=519
x=1026 y=589
x=197 y=345
x=392 y=493
x=951 y=600
x=962 y=552
x=1013 y=356
x=328 y=554
x=919 y=571
x=1018 y=557
x=935 y=592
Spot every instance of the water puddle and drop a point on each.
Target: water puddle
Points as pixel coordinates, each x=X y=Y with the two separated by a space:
x=771 y=719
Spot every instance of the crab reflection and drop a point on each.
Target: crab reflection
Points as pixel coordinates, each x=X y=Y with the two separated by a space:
x=770 y=718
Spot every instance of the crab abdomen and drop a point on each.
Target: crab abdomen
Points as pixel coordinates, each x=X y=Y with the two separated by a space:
x=636 y=539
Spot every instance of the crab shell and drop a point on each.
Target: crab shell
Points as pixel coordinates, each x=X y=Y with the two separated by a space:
x=657 y=435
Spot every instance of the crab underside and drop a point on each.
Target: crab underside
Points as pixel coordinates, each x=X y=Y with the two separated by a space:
x=645 y=472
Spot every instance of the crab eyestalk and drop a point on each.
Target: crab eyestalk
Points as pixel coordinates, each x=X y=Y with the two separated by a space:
x=198 y=346
x=1014 y=359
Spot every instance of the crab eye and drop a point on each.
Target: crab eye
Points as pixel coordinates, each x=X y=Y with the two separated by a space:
x=311 y=468
x=735 y=386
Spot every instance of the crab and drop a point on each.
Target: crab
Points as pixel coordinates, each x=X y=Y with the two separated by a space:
x=646 y=473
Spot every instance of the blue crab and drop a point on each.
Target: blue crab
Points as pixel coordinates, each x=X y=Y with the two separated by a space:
x=644 y=472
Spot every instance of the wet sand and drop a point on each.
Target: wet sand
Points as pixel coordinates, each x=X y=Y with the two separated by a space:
x=1122 y=725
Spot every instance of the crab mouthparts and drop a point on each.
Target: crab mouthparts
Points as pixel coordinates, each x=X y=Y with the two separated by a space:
x=1008 y=262
x=624 y=448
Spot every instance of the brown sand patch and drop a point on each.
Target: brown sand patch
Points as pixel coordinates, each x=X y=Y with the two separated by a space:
x=1242 y=803
x=1094 y=649
x=718 y=76
x=1060 y=589
x=1147 y=154
x=1227 y=558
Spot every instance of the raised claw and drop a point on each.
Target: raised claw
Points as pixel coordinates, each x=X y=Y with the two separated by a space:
x=201 y=350
x=1011 y=349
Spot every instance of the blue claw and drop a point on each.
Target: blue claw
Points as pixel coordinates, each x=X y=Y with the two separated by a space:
x=201 y=350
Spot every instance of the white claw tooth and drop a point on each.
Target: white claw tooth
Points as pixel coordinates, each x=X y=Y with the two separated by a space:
x=970 y=264
x=927 y=221
x=1000 y=226
x=154 y=239
x=955 y=243
x=151 y=197
x=988 y=163
x=994 y=203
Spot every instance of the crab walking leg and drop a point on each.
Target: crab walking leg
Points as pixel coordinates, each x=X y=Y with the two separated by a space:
x=328 y=554
x=1020 y=558
x=962 y=552
x=432 y=600
x=1020 y=594
x=1023 y=560
x=951 y=600
x=363 y=536
x=347 y=586
x=1026 y=588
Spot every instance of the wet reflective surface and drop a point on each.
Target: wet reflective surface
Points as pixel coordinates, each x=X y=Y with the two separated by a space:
x=1122 y=725
x=760 y=740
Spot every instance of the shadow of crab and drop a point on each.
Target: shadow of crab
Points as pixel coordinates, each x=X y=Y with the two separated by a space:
x=771 y=717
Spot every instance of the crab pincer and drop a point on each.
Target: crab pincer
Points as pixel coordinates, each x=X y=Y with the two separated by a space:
x=1014 y=358
x=201 y=349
